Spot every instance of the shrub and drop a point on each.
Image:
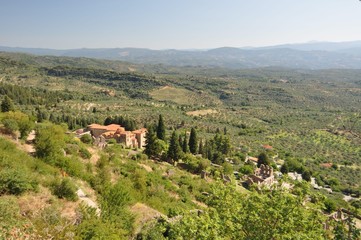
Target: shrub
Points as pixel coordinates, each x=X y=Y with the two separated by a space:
x=15 y=181
x=71 y=149
x=86 y=138
x=246 y=169
x=84 y=153
x=140 y=156
x=306 y=175
x=227 y=168
x=65 y=189
x=330 y=205
x=196 y=164
x=10 y=125
x=72 y=165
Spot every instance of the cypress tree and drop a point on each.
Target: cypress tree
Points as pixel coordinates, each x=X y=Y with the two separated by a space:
x=150 y=138
x=174 y=150
x=226 y=145
x=185 y=144
x=161 y=128
x=7 y=105
x=193 y=141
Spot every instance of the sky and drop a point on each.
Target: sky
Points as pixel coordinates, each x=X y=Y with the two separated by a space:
x=175 y=24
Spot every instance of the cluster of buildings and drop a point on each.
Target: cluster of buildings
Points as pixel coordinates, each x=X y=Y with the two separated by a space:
x=101 y=134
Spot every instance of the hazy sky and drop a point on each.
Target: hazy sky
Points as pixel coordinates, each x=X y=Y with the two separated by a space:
x=180 y=24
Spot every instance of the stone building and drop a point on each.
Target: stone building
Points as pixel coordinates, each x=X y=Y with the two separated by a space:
x=262 y=176
x=134 y=139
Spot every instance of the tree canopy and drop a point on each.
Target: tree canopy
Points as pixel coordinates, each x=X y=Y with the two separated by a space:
x=174 y=151
x=161 y=128
x=193 y=141
x=7 y=105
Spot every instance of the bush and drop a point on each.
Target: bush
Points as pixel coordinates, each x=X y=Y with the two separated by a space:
x=72 y=165
x=306 y=175
x=196 y=164
x=356 y=204
x=10 y=125
x=84 y=153
x=246 y=169
x=15 y=181
x=71 y=149
x=86 y=138
x=227 y=168
x=65 y=189
x=330 y=205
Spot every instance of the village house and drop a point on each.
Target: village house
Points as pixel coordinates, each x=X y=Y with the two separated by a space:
x=262 y=176
x=134 y=139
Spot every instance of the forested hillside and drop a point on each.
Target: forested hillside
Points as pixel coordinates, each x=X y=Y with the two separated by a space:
x=203 y=124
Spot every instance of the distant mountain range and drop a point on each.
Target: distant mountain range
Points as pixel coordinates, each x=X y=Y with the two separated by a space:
x=314 y=55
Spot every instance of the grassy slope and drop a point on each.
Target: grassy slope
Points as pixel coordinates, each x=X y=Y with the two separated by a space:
x=149 y=184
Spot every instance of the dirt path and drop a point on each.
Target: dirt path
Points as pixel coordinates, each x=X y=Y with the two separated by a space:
x=29 y=148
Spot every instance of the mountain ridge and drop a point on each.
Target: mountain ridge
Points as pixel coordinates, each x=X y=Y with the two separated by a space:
x=319 y=55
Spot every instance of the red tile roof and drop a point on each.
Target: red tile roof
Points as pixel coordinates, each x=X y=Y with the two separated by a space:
x=268 y=147
x=326 y=165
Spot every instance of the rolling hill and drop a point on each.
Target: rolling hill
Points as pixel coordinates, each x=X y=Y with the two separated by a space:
x=319 y=55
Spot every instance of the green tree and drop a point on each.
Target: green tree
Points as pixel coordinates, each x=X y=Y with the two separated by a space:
x=227 y=168
x=114 y=207
x=150 y=148
x=263 y=159
x=174 y=150
x=10 y=125
x=272 y=215
x=18 y=121
x=193 y=141
x=49 y=141
x=285 y=169
x=225 y=145
x=7 y=105
x=306 y=175
x=346 y=229
x=161 y=128
x=65 y=189
x=185 y=144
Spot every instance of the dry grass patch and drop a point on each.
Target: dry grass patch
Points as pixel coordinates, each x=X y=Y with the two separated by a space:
x=144 y=214
x=202 y=112
x=32 y=204
x=146 y=167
